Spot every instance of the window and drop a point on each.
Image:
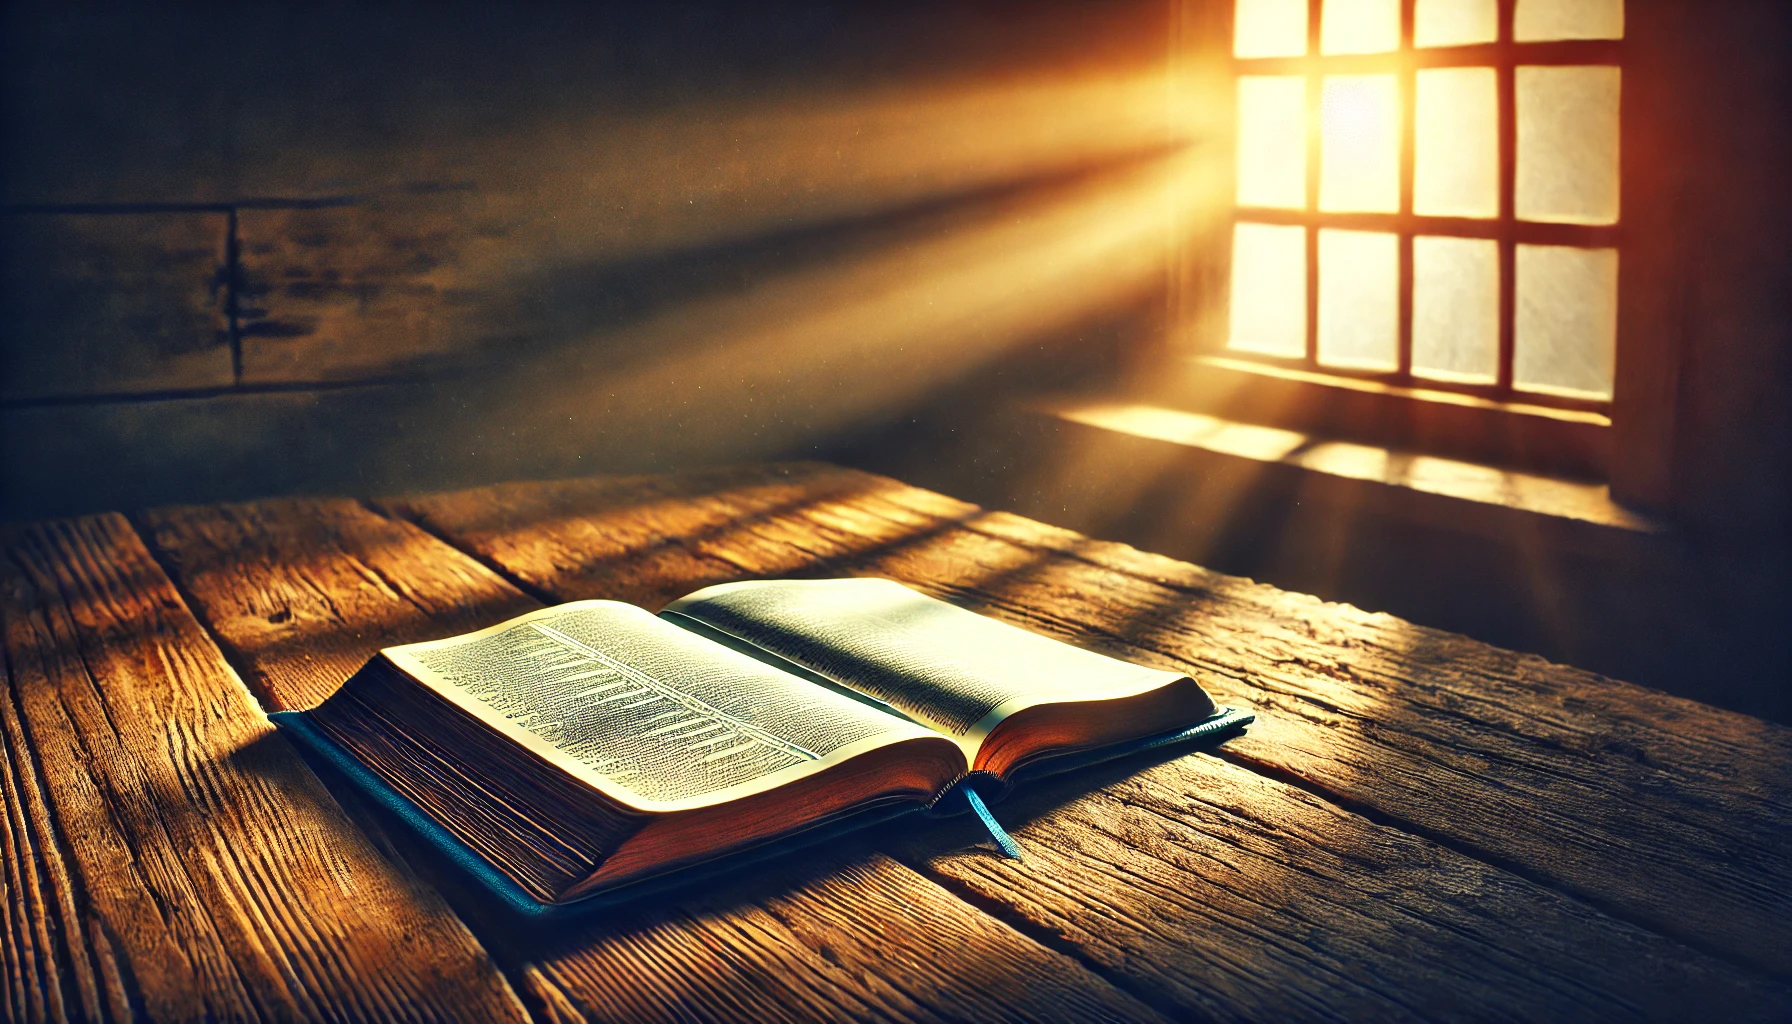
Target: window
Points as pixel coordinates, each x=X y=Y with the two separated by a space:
x=1427 y=193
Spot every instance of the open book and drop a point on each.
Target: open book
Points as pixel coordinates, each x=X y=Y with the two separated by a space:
x=586 y=746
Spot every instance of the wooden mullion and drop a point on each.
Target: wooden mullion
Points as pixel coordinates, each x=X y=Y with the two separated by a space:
x=1315 y=87
x=1505 y=73
x=1505 y=230
x=1567 y=51
x=1529 y=232
x=1408 y=144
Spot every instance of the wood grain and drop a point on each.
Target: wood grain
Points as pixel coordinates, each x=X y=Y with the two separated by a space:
x=384 y=288
x=632 y=538
x=168 y=856
x=302 y=625
x=1663 y=811
x=110 y=303
x=836 y=936
x=1240 y=897
x=1666 y=811
x=847 y=935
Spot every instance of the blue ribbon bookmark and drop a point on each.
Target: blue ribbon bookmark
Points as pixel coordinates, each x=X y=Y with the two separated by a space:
x=1004 y=841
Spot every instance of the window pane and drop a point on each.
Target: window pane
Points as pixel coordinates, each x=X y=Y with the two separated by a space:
x=1567 y=324
x=1456 y=165
x=1568 y=144
x=1359 y=165
x=1269 y=290
x=1358 y=299
x=1535 y=20
x=1270 y=28
x=1360 y=26
x=1456 y=309
x=1454 y=22
x=1272 y=141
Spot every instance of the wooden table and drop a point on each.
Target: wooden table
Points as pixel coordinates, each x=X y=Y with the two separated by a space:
x=1418 y=826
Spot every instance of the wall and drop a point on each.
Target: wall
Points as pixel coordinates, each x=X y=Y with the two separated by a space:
x=252 y=249
x=261 y=249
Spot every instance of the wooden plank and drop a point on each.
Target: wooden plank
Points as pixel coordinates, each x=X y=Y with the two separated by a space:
x=300 y=628
x=1243 y=898
x=1550 y=770
x=169 y=856
x=633 y=538
x=111 y=303
x=848 y=935
x=860 y=937
x=1595 y=786
x=382 y=288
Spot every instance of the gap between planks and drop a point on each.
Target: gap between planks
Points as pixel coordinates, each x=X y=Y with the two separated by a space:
x=220 y=920
x=1051 y=940
x=1380 y=817
x=1377 y=816
x=514 y=972
x=1342 y=801
x=541 y=998
x=957 y=890
x=818 y=560
x=1011 y=919
x=244 y=676
x=498 y=568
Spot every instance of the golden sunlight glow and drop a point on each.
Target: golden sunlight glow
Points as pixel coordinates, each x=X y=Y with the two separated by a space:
x=1359 y=164
x=1454 y=22
x=858 y=251
x=1272 y=141
x=1455 y=309
x=1488 y=484
x=1360 y=26
x=1456 y=143
x=1539 y=20
x=1566 y=332
x=1568 y=144
x=835 y=342
x=1270 y=28
x=1359 y=293
x=1245 y=440
x=1269 y=288
x=1567 y=172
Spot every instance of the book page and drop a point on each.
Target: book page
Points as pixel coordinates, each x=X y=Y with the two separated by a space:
x=629 y=702
x=952 y=669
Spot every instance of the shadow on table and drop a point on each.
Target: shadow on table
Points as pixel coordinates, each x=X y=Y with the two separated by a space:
x=866 y=856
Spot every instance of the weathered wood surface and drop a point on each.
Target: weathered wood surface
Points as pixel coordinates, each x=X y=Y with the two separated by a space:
x=379 y=289
x=870 y=939
x=1239 y=897
x=1505 y=798
x=110 y=303
x=639 y=539
x=1667 y=813
x=303 y=590
x=849 y=935
x=1663 y=810
x=167 y=856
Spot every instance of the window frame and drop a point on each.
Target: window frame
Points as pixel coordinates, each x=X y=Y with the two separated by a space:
x=1504 y=56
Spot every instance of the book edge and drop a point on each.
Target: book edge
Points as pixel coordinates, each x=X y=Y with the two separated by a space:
x=513 y=896
x=297 y=726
